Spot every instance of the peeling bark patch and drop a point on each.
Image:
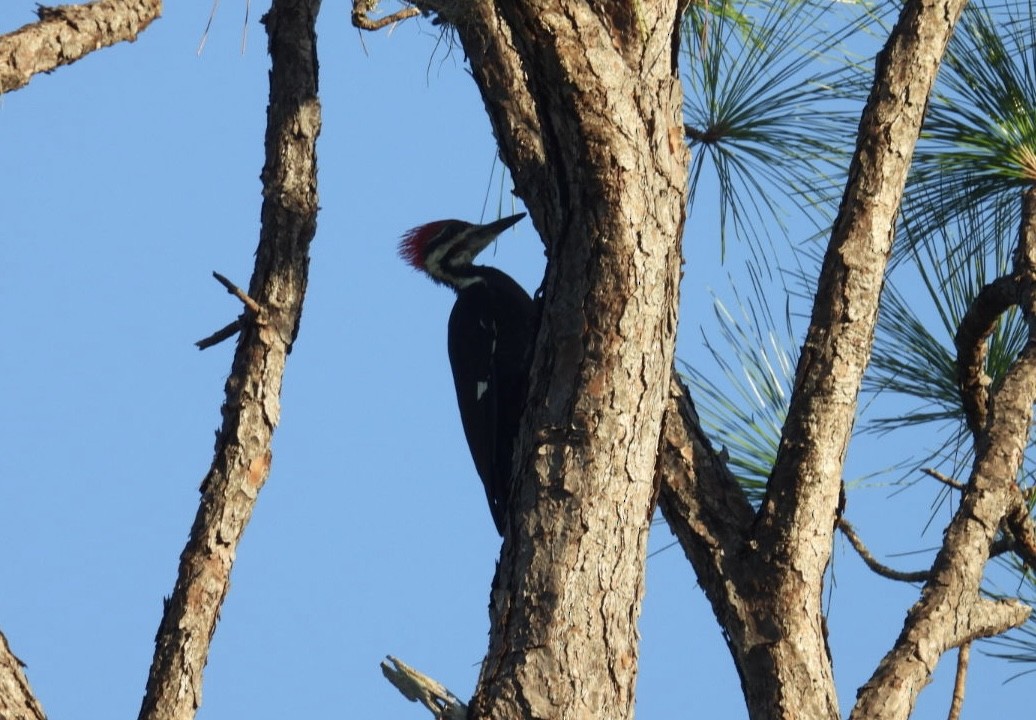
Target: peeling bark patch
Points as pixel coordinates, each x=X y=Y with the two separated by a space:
x=258 y=470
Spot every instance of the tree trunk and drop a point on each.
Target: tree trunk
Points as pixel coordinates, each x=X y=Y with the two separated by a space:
x=586 y=103
x=251 y=409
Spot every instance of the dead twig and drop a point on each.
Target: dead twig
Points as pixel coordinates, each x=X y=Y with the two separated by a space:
x=944 y=479
x=363 y=8
x=957 y=699
x=884 y=570
x=253 y=309
x=418 y=687
x=237 y=292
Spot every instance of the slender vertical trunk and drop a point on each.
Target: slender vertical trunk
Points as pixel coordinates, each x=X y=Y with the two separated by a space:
x=251 y=410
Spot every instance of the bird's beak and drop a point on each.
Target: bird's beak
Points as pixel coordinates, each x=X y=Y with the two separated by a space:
x=495 y=228
x=479 y=237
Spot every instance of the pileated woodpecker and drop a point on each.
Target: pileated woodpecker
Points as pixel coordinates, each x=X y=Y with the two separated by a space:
x=490 y=339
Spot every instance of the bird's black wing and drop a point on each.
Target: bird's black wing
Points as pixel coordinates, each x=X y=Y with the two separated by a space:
x=473 y=341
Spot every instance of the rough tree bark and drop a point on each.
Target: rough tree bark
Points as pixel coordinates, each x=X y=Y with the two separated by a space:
x=952 y=610
x=585 y=105
x=17 y=701
x=764 y=573
x=585 y=101
x=66 y=33
x=251 y=409
x=794 y=531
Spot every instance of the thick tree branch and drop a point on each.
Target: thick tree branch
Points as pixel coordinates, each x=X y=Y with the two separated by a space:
x=976 y=326
x=1017 y=514
x=1023 y=535
x=951 y=610
x=708 y=512
x=839 y=341
x=16 y=699
x=252 y=406
x=67 y=33
x=797 y=518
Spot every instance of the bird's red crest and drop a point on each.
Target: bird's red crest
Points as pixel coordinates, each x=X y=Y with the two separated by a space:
x=413 y=247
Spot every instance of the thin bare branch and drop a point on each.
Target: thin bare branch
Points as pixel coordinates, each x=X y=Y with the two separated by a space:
x=237 y=292
x=208 y=27
x=67 y=33
x=959 y=681
x=254 y=311
x=224 y=333
x=944 y=479
x=362 y=19
x=251 y=409
x=884 y=570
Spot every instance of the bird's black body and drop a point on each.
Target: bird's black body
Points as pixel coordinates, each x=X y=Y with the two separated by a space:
x=489 y=339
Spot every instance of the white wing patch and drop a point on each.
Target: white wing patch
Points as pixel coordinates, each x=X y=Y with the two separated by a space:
x=480 y=389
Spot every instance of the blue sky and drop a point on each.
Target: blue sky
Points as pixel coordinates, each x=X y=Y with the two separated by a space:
x=132 y=175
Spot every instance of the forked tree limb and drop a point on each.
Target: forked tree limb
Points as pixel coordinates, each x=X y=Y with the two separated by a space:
x=251 y=408
x=951 y=610
x=362 y=10
x=793 y=535
x=253 y=312
x=67 y=33
x=788 y=551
